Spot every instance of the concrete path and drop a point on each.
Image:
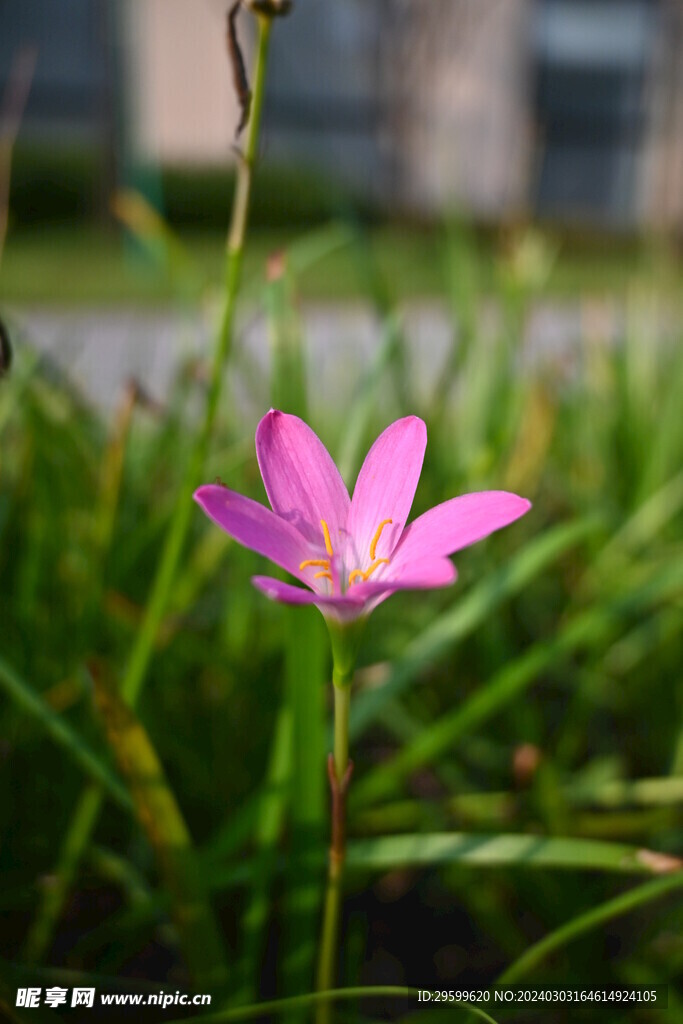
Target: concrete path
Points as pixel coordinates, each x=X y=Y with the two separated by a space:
x=100 y=349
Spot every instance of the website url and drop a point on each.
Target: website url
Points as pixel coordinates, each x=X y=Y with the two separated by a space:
x=162 y=999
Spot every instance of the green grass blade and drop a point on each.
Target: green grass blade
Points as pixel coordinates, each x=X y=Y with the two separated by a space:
x=12 y=397
x=306 y=678
x=614 y=793
x=648 y=520
x=473 y=609
x=593 y=918
x=165 y=828
x=386 y=853
x=269 y=825
x=288 y=374
x=495 y=809
x=506 y=686
x=585 y=629
x=178 y=527
x=481 y=850
x=363 y=405
x=301 y=1002
x=318 y=245
x=80 y=827
x=63 y=734
x=8 y=997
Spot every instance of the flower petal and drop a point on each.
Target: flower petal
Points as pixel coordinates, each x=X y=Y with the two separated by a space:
x=301 y=480
x=343 y=607
x=254 y=526
x=277 y=590
x=457 y=523
x=386 y=487
x=422 y=575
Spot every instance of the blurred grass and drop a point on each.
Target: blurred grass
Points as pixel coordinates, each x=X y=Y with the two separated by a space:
x=536 y=704
x=72 y=265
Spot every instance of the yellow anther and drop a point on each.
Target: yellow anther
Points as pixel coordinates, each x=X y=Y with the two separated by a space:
x=375 y=565
x=328 y=542
x=357 y=574
x=378 y=533
x=323 y=576
x=315 y=561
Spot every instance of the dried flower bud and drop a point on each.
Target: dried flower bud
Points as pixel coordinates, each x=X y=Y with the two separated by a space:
x=270 y=8
x=5 y=350
x=525 y=762
x=276 y=265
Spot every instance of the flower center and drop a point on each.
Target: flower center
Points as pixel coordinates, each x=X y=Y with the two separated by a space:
x=323 y=564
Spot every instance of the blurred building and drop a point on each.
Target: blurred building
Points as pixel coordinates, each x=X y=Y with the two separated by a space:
x=569 y=108
x=73 y=74
x=180 y=106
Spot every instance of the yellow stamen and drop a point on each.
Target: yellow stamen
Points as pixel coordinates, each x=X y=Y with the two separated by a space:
x=315 y=561
x=328 y=542
x=359 y=574
x=323 y=576
x=375 y=565
x=378 y=533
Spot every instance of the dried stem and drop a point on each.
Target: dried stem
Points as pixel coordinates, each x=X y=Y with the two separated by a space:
x=14 y=103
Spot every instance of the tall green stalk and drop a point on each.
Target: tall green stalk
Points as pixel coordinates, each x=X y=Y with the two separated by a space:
x=87 y=810
x=177 y=532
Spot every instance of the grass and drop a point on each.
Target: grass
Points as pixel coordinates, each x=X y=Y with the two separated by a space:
x=518 y=740
x=98 y=267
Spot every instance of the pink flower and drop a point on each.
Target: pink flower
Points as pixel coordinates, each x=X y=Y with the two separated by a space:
x=351 y=554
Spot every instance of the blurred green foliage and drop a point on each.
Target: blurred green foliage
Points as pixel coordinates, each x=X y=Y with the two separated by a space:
x=537 y=699
x=62 y=202
x=66 y=184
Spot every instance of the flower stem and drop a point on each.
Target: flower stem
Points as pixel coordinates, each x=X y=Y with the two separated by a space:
x=342 y=701
x=339 y=770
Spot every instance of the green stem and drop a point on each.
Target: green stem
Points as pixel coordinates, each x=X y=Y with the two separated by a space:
x=342 y=703
x=339 y=770
x=178 y=528
x=143 y=648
